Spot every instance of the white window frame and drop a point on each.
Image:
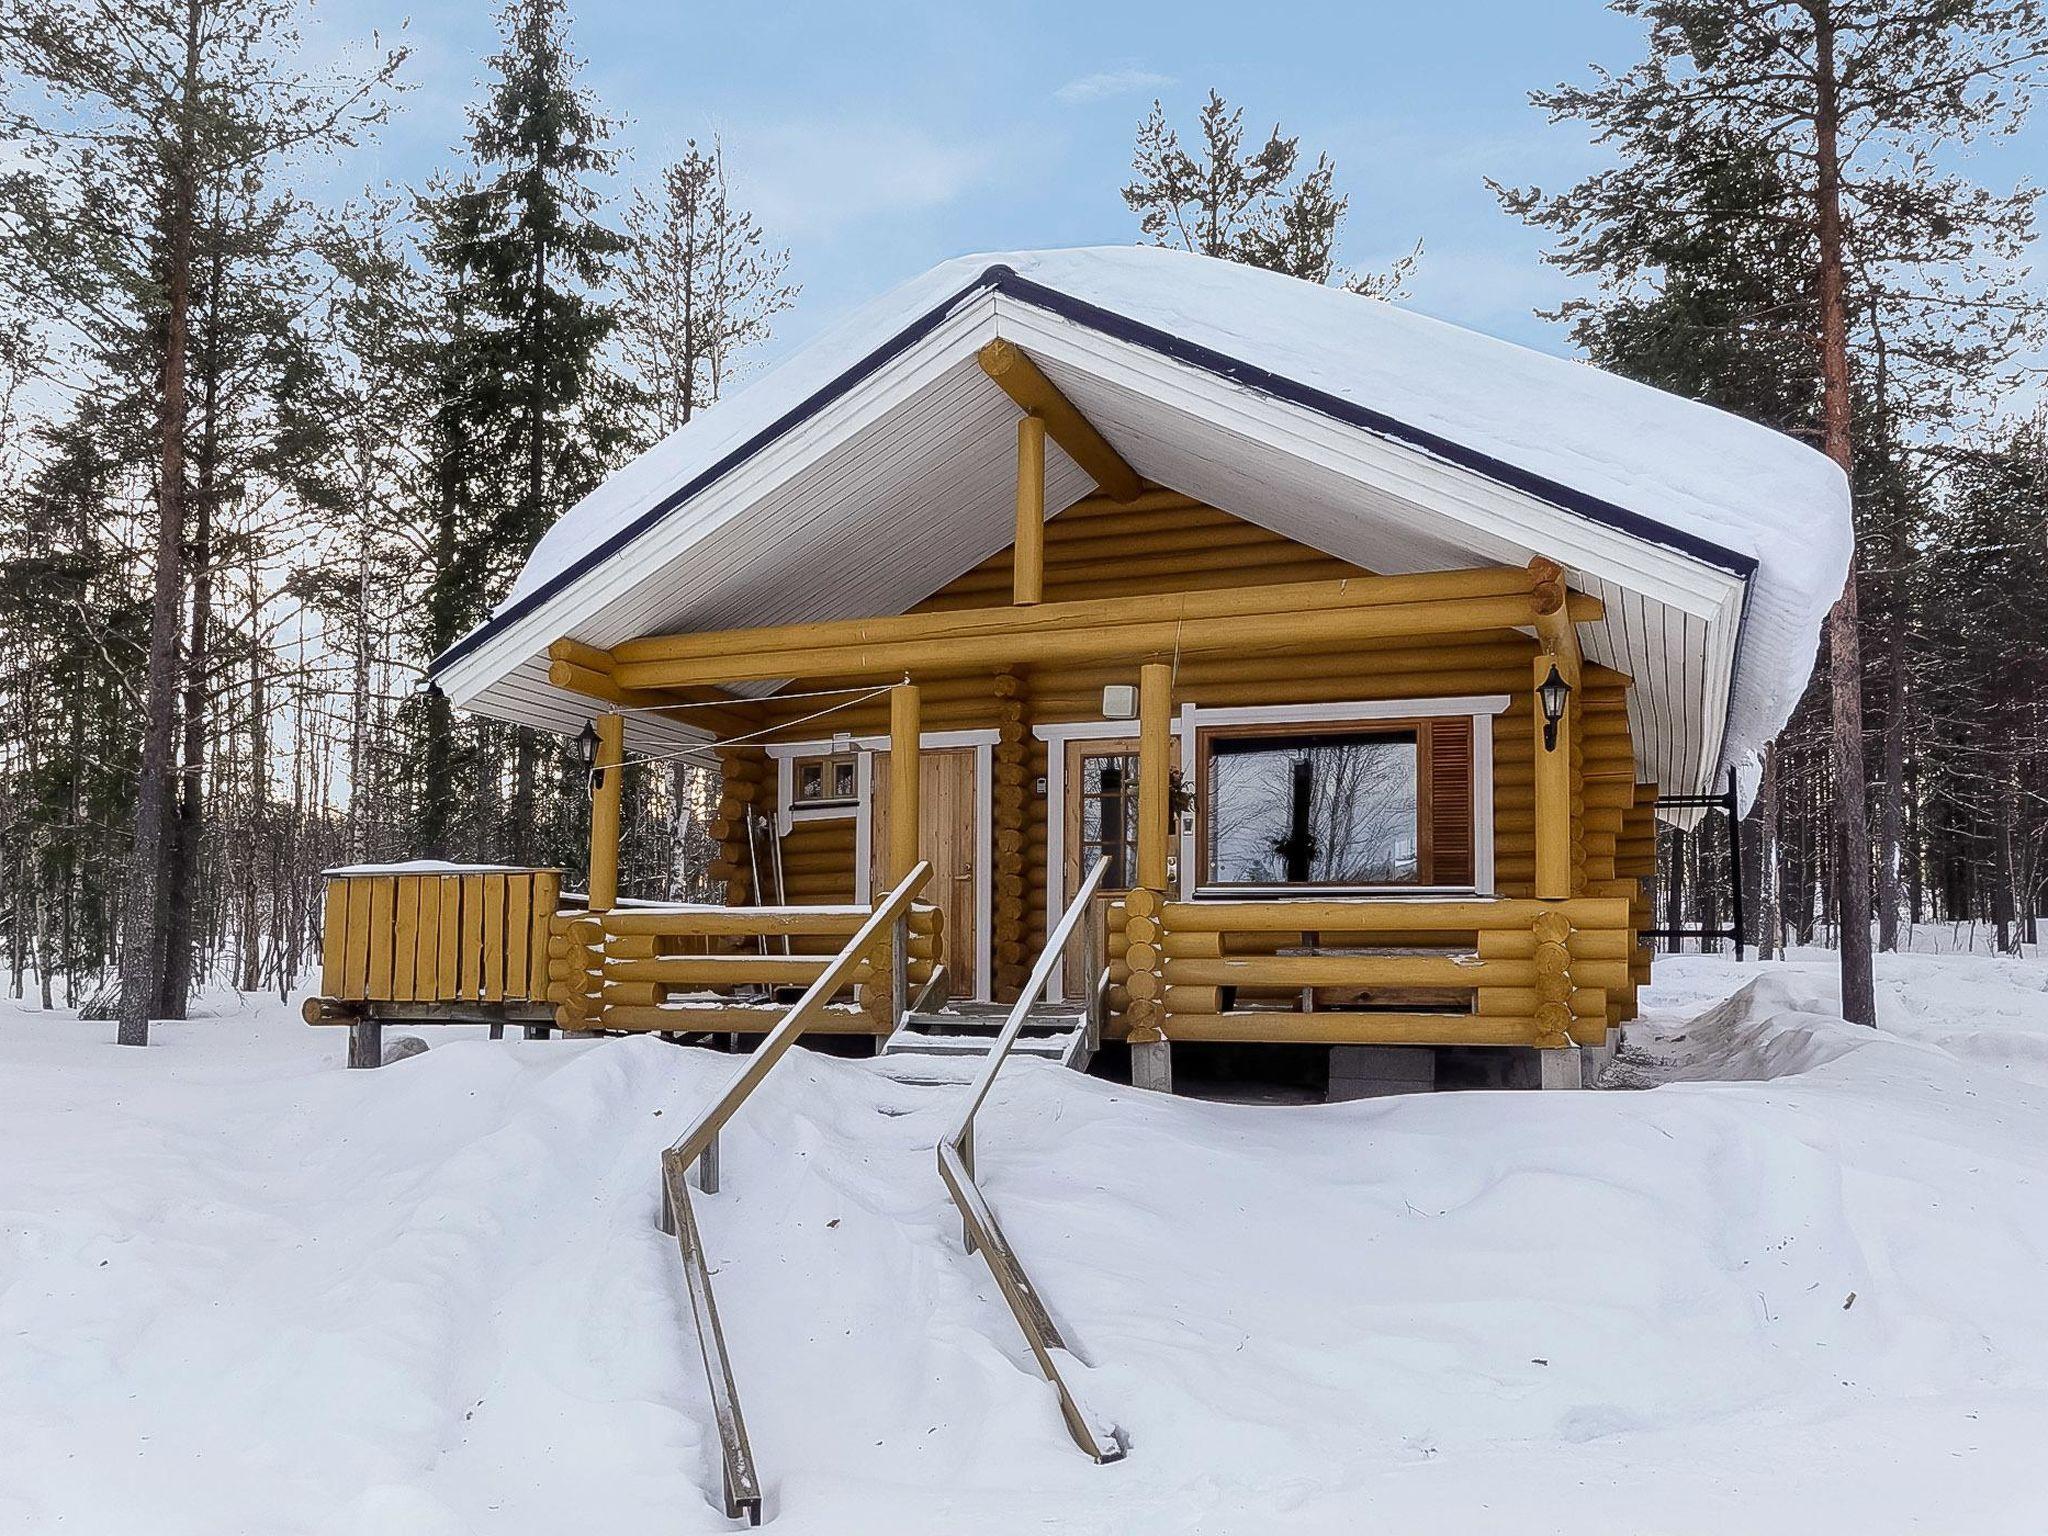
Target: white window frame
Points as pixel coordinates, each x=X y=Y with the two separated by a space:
x=1194 y=718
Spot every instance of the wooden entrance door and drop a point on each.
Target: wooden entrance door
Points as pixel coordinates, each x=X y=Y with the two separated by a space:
x=946 y=837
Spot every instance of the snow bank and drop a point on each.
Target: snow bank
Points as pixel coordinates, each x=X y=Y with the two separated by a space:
x=1792 y=1288
x=1684 y=466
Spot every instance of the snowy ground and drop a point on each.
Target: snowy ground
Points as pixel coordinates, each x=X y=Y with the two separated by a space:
x=1797 y=1287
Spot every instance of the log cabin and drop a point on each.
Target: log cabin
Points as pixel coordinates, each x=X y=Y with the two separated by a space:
x=1307 y=669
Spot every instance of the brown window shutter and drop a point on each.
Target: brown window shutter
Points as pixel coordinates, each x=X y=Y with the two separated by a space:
x=1450 y=800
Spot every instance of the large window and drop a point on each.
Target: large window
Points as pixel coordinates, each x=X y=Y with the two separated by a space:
x=1314 y=808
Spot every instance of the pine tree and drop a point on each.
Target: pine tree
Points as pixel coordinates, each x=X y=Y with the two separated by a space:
x=1847 y=100
x=151 y=115
x=532 y=417
x=1244 y=205
x=700 y=286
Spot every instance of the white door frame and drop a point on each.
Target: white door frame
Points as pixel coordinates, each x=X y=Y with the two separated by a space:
x=867 y=747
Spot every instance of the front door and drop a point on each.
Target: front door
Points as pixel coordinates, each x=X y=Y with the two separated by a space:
x=946 y=837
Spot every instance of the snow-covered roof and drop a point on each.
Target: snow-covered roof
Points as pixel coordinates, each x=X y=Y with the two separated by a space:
x=1383 y=436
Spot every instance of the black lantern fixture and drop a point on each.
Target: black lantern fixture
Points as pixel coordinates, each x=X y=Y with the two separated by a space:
x=1552 y=693
x=586 y=743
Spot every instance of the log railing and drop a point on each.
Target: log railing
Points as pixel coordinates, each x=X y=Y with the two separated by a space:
x=982 y=1232
x=1510 y=971
x=676 y=968
x=886 y=926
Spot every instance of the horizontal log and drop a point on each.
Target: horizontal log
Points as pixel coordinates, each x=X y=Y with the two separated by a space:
x=734 y=1018
x=1429 y=603
x=699 y=922
x=1351 y=1027
x=1349 y=971
x=1372 y=915
x=726 y=970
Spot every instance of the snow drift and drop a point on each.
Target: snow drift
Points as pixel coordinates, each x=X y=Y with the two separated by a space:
x=1791 y=1288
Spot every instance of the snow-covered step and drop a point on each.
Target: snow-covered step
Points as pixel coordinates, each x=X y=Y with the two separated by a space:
x=969 y=1031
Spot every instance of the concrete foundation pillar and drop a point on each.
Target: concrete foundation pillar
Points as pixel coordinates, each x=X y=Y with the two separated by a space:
x=1562 y=1068
x=1152 y=1066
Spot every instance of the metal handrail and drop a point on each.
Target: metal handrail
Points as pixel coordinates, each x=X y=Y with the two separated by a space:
x=981 y=1230
x=699 y=1144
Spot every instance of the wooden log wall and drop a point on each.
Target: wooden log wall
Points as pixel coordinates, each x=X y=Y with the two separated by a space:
x=1165 y=542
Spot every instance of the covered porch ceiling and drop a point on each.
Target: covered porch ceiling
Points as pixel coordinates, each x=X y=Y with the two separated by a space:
x=904 y=478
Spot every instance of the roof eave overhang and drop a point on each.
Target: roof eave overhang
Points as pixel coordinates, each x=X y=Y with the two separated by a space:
x=1612 y=544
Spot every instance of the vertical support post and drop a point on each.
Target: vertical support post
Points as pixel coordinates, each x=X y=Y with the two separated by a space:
x=1091 y=979
x=1554 y=785
x=899 y=973
x=707 y=1166
x=1144 y=905
x=1028 y=563
x=1735 y=863
x=609 y=771
x=1155 y=772
x=905 y=727
x=366 y=1042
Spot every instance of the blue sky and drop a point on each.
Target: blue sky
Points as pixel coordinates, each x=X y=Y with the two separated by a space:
x=879 y=138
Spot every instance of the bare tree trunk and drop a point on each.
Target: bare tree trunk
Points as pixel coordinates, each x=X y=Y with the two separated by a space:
x=180 y=940
x=142 y=913
x=1845 y=641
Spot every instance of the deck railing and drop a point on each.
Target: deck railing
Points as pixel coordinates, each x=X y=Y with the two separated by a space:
x=1491 y=970
x=982 y=1231
x=887 y=925
x=678 y=967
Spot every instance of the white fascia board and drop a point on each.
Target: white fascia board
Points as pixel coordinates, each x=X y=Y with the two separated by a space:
x=920 y=365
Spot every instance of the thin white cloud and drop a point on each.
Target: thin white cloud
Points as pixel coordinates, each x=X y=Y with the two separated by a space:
x=810 y=178
x=1108 y=83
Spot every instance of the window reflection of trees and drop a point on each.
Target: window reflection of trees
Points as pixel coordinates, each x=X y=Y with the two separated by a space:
x=1359 y=810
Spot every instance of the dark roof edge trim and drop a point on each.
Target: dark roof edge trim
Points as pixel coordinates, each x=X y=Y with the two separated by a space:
x=1005 y=280
x=1593 y=508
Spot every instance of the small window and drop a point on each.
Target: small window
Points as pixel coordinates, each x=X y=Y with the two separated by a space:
x=1109 y=815
x=821 y=781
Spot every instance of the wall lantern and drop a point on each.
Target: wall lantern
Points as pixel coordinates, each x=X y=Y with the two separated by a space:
x=1552 y=693
x=586 y=743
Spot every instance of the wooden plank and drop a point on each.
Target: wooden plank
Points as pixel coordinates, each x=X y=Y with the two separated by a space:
x=356 y=975
x=448 y=955
x=472 y=952
x=405 y=939
x=547 y=896
x=426 y=969
x=494 y=938
x=518 y=934
x=383 y=898
x=334 y=940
